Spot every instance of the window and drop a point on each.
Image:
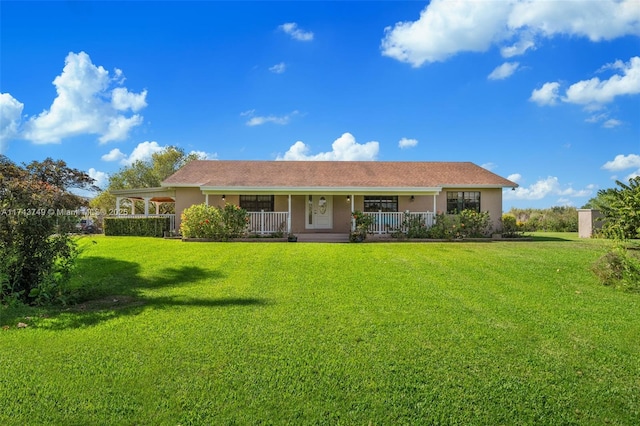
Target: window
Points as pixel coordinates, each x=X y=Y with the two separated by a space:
x=386 y=203
x=463 y=200
x=256 y=203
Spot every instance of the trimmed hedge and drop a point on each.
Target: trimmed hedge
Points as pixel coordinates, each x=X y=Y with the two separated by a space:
x=138 y=226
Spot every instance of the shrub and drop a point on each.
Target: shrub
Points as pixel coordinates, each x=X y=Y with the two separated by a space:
x=474 y=224
x=203 y=221
x=138 y=226
x=619 y=268
x=510 y=227
x=363 y=222
x=446 y=227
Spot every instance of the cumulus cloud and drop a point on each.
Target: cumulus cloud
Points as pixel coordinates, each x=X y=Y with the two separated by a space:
x=278 y=68
x=101 y=178
x=515 y=177
x=87 y=103
x=407 y=143
x=593 y=94
x=445 y=28
x=345 y=148
x=596 y=91
x=114 y=155
x=142 y=152
x=503 y=71
x=544 y=188
x=10 y=118
x=295 y=32
x=546 y=95
x=622 y=162
x=257 y=120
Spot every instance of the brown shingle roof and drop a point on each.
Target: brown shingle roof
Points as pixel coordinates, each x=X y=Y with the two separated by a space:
x=333 y=174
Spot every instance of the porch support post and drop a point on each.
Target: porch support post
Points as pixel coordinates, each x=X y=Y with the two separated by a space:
x=157 y=207
x=434 y=203
x=133 y=205
x=206 y=199
x=118 y=205
x=353 y=205
x=146 y=206
x=289 y=216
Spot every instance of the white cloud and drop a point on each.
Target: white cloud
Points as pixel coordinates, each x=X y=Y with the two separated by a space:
x=546 y=95
x=602 y=92
x=143 y=152
x=114 y=155
x=86 y=104
x=278 y=68
x=622 y=162
x=10 y=118
x=205 y=155
x=123 y=100
x=101 y=178
x=295 y=32
x=517 y=48
x=503 y=71
x=515 y=177
x=407 y=143
x=611 y=123
x=446 y=28
x=345 y=148
x=257 y=120
x=544 y=188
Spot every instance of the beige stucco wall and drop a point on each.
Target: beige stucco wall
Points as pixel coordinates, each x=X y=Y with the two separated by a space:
x=186 y=197
x=490 y=201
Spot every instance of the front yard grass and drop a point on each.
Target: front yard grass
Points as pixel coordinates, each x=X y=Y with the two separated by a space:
x=382 y=334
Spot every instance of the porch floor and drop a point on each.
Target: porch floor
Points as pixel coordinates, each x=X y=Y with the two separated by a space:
x=322 y=238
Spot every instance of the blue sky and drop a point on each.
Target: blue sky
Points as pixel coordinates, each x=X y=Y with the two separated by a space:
x=546 y=93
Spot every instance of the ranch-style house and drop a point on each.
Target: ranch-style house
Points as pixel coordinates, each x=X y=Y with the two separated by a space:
x=320 y=196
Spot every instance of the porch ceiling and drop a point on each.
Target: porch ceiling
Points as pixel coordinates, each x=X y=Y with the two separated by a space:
x=159 y=194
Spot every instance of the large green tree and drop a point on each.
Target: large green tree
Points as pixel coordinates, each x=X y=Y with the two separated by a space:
x=144 y=174
x=35 y=201
x=621 y=209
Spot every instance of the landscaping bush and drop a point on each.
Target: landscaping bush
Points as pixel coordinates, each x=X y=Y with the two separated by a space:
x=136 y=227
x=510 y=227
x=203 y=221
x=446 y=227
x=363 y=223
x=619 y=268
x=474 y=224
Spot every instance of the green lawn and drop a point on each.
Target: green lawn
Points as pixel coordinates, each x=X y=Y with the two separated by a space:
x=281 y=333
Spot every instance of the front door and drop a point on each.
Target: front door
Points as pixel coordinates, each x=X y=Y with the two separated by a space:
x=319 y=212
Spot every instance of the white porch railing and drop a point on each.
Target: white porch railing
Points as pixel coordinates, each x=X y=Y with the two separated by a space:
x=387 y=222
x=172 y=218
x=267 y=222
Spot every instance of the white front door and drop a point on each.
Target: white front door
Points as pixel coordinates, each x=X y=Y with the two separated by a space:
x=319 y=212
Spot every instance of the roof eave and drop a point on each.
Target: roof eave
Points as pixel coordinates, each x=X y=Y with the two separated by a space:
x=319 y=190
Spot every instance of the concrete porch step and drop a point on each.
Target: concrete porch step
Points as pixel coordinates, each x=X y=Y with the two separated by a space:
x=322 y=238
